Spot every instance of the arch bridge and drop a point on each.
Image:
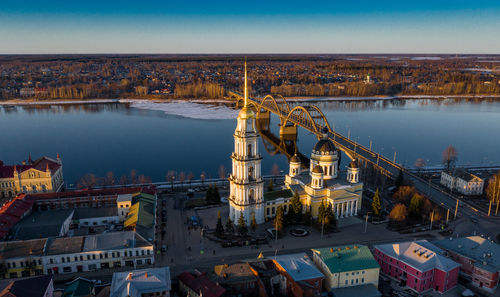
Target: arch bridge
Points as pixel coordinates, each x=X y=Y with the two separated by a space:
x=311 y=118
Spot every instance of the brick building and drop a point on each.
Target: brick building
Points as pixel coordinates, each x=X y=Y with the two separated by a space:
x=419 y=265
x=300 y=277
x=480 y=259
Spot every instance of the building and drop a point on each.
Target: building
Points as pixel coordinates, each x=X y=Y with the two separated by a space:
x=321 y=184
x=123 y=203
x=199 y=285
x=479 y=258
x=347 y=266
x=144 y=282
x=40 y=176
x=38 y=286
x=462 y=181
x=94 y=252
x=299 y=276
x=246 y=183
x=22 y=258
x=419 y=265
x=238 y=279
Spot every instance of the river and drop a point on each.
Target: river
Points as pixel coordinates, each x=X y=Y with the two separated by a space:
x=153 y=138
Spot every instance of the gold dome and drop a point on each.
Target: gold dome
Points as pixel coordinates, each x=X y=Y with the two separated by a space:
x=246 y=112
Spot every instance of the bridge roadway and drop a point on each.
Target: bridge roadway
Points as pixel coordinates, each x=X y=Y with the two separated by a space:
x=357 y=151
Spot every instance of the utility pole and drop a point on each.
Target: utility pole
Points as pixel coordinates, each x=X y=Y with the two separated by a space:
x=370 y=144
x=322 y=225
x=432 y=218
x=394 y=157
x=366 y=220
x=456 y=209
x=349 y=133
x=489 y=208
x=496 y=212
x=276 y=240
x=447 y=216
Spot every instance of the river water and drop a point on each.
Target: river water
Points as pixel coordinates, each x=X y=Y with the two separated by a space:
x=153 y=138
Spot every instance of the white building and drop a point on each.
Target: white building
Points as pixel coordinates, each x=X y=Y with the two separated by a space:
x=462 y=181
x=246 y=183
x=123 y=203
x=144 y=282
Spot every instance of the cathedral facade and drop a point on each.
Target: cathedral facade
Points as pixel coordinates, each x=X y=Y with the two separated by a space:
x=39 y=176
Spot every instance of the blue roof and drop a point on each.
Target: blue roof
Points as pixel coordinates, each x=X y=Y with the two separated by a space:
x=299 y=266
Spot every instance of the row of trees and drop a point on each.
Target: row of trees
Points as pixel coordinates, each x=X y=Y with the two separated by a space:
x=91 y=180
x=411 y=205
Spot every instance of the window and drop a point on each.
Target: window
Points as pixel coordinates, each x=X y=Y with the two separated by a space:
x=363 y=280
x=346 y=282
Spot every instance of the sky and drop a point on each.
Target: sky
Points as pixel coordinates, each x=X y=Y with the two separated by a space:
x=258 y=26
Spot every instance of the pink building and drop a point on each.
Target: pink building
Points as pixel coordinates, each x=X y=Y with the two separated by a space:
x=419 y=265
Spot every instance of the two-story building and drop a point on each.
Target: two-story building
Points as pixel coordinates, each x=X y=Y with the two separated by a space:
x=299 y=275
x=479 y=257
x=418 y=265
x=348 y=266
x=462 y=181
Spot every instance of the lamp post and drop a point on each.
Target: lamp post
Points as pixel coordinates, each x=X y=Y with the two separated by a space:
x=366 y=220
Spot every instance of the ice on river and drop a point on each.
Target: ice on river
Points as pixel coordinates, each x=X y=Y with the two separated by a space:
x=187 y=109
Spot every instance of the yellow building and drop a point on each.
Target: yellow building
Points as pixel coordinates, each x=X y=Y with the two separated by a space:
x=39 y=176
x=319 y=184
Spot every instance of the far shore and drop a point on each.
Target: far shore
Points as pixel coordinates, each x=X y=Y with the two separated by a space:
x=226 y=101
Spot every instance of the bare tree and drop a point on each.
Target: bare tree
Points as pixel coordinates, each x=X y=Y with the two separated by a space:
x=143 y=179
x=275 y=170
x=222 y=173
x=182 y=178
x=87 y=181
x=123 y=180
x=493 y=190
x=133 y=176
x=419 y=163
x=110 y=178
x=190 y=177
x=203 y=176
x=398 y=213
x=449 y=157
x=171 y=178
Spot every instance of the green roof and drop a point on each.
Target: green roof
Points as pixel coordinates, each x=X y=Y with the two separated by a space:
x=143 y=197
x=79 y=287
x=286 y=193
x=347 y=258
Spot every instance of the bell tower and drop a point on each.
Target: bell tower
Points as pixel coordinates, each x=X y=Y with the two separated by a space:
x=246 y=183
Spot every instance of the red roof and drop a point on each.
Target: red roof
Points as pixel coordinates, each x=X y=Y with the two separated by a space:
x=201 y=283
x=41 y=164
x=12 y=212
x=82 y=193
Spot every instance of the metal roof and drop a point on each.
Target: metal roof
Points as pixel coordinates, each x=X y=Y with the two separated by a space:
x=298 y=266
x=347 y=258
x=421 y=255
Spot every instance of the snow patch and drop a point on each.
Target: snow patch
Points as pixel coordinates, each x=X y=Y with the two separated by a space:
x=187 y=109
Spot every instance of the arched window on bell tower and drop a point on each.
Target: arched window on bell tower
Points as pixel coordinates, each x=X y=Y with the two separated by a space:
x=250 y=153
x=251 y=173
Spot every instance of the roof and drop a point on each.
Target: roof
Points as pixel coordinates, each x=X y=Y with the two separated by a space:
x=141 y=213
x=143 y=197
x=21 y=249
x=317 y=169
x=201 y=284
x=463 y=174
x=28 y=287
x=7 y=171
x=78 y=287
x=87 y=193
x=421 y=255
x=295 y=159
x=476 y=248
x=347 y=258
x=234 y=273
x=124 y=198
x=41 y=224
x=368 y=290
x=65 y=245
x=285 y=193
x=353 y=164
x=114 y=240
x=95 y=212
x=324 y=147
x=138 y=282
x=298 y=266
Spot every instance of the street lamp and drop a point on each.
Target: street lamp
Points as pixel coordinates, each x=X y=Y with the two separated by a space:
x=366 y=220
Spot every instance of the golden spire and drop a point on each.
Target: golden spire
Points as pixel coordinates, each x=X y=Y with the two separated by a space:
x=246 y=89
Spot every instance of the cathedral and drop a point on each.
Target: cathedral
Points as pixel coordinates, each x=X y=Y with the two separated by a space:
x=321 y=183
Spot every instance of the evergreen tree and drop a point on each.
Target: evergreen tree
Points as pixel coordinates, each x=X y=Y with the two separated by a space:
x=209 y=197
x=376 y=206
x=219 y=229
x=242 y=225
x=295 y=208
x=229 y=226
x=253 y=222
x=270 y=186
x=332 y=220
x=278 y=219
x=307 y=219
x=415 y=207
x=216 y=195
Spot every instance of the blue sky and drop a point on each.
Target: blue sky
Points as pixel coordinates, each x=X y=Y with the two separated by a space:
x=307 y=26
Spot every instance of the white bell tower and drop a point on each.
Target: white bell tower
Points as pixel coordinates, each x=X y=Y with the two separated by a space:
x=246 y=183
